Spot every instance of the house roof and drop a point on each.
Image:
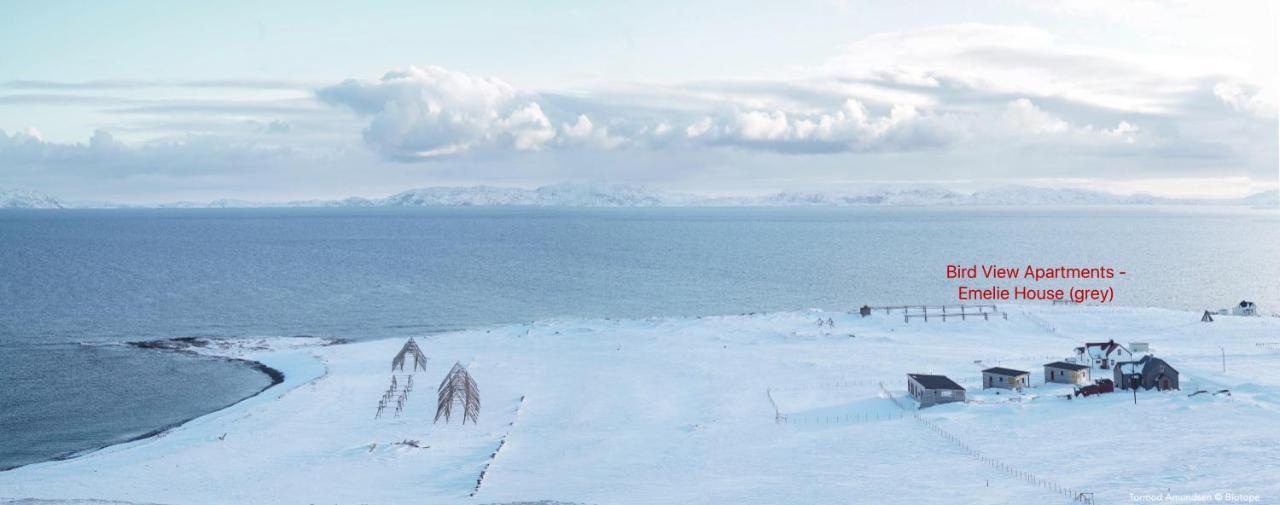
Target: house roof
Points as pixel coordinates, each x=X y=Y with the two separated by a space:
x=1140 y=366
x=1008 y=372
x=1066 y=366
x=1103 y=349
x=935 y=381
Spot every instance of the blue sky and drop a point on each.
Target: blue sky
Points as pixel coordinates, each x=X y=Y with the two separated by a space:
x=150 y=101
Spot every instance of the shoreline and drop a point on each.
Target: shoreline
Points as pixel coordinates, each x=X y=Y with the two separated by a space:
x=180 y=345
x=557 y=391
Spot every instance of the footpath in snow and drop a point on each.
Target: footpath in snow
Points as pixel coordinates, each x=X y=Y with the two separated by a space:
x=749 y=409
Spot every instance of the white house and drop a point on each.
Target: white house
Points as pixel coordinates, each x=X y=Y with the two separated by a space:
x=1103 y=354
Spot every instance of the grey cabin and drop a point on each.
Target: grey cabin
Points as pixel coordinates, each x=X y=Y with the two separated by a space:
x=1062 y=372
x=930 y=390
x=1005 y=378
x=1146 y=373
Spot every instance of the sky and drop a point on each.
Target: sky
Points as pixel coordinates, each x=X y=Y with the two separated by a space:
x=150 y=102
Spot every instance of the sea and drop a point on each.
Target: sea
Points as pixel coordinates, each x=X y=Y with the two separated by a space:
x=77 y=285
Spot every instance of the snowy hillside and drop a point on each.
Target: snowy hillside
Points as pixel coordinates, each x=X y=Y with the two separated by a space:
x=560 y=195
x=23 y=199
x=1264 y=199
x=750 y=409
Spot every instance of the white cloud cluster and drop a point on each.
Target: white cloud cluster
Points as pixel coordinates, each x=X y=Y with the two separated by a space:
x=903 y=128
x=1245 y=98
x=431 y=112
x=847 y=128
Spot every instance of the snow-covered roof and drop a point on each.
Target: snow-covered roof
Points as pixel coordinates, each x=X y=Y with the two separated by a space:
x=1008 y=372
x=1066 y=366
x=1103 y=349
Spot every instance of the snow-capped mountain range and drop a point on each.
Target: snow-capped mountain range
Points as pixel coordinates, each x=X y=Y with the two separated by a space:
x=621 y=195
x=23 y=199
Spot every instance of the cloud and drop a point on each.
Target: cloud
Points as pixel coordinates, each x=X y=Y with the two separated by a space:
x=903 y=128
x=430 y=112
x=433 y=113
x=1245 y=97
x=124 y=84
x=583 y=132
x=1023 y=61
x=102 y=156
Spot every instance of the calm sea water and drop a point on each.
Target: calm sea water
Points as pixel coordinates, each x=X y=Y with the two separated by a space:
x=73 y=283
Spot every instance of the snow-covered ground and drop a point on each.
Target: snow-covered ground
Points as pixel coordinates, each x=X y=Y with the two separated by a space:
x=681 y=410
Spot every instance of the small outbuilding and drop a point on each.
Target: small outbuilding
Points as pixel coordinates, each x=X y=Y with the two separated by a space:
x=1062 y=372
x=1245 y=308
x=864 y=311
x=930 y=390
x=1005 y=378
x=1146 y=373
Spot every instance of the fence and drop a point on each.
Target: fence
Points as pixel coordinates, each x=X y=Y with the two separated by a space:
x=857 y=417
x=963 y=315
x=888 y=309
x=832 y=384
x=502 y=442
x=1044 y=325
x=1076 y=495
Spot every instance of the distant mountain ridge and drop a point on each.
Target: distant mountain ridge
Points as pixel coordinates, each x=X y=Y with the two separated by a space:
x=623 y=195
x=24 y=199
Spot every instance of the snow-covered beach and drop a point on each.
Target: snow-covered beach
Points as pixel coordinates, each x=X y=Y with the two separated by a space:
x=682 y=410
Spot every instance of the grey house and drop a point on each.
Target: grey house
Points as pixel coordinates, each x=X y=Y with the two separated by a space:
x=1062 y=372
x=1146 y=373
x=1005 y=378
x=930 y=390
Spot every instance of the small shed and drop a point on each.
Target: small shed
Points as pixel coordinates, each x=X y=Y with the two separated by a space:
x=1146 y=373
x=929 y=390
x=1245 y=308
x=1005 y=378
x=1207 y=317
x=1062 y=372
x=864 y=311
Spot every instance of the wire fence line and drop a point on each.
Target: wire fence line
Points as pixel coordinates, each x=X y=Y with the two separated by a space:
x=834 y=384
x=1044 y=325
x=1075 y=495
x=852 y=383
x=853 y=418
x=502 y=442
x=780 y=417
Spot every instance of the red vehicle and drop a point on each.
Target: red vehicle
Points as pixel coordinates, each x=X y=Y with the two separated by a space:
x=1098 y=387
